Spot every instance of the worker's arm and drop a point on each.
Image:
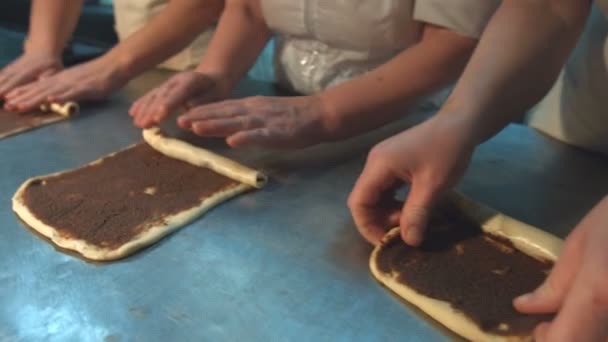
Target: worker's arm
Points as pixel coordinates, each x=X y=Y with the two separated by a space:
x=166 y=34
x=52 y=23
x=518 y=57
x=240 y=37
x=359 y=105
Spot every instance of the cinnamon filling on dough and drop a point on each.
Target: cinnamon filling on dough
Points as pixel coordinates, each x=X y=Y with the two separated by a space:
x=109 y=203
x=477 y=273
x=10 y=121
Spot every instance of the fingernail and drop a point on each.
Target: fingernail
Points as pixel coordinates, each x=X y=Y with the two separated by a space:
x=412 y=236
x=525 y=297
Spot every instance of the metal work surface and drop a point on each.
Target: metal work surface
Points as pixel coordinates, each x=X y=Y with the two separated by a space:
x=282 y=263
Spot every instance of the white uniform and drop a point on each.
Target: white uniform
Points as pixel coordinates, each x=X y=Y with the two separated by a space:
x=132 y=15
x=576 y=109
x=324 y=43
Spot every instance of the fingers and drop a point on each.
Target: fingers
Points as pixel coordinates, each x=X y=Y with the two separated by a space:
x=271 y=137
x=29 y=97
x=577 y=285
x=47 y=73
x=26 y=69
x=141 y=111
x=219 y=110
x=370 y=200
x=183 y=90
x=66 y=95
x=247 y=125
x=540 y=332
x=9 y=82
x=584 y=314
x=161 y=104
x=416 y=211
x=138 y=108
x=257 y=137
x=548 y=297
x=11 y=79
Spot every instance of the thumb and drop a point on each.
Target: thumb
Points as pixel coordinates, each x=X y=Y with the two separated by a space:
x=549 y=296
x=416 y=212
x=545 y=299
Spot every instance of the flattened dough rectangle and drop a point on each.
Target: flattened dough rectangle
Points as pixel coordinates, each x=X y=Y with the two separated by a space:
x=123 y=202
x=509 y=236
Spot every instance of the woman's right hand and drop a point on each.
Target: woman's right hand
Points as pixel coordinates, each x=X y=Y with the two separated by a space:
x=28 y=68
x=430 y=157
x=182 y=91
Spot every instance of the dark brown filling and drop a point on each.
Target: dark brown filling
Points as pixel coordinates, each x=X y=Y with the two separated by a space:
x=478 y=274
x=108 y=204
x=10 y=121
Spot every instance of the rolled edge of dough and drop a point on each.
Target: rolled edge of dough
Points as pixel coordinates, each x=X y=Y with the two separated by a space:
x=183 y=151
x=67 y=109
x=526 y=238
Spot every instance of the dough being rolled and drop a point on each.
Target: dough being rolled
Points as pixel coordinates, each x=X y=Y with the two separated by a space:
x=116 y=205
x=200 y=157
x=469 y=269
x=12 y=123
x=64 y=109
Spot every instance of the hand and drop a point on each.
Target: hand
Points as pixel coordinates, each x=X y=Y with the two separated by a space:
x=90 y=81
x=577 y=288
x=184 y=90
x=431 y=157
x=28 y=68
x=279 y=122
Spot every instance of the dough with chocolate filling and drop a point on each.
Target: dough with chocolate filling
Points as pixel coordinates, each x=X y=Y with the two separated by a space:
x=473 y=262
x=14 y=123
x=130 y=199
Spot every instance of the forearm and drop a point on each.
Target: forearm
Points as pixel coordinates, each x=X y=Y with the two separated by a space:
x=166 y=34
x=381 y=95
x=240 y=37
x=517 y=60
x=52 y=23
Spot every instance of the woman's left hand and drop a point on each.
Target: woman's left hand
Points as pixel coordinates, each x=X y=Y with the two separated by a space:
x=93 y=80
x=276 y=122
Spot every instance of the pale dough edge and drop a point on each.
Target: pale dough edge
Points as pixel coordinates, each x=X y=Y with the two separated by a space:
x=146 y=238
x=183 y=151
x=526 y=238
x=42 y=123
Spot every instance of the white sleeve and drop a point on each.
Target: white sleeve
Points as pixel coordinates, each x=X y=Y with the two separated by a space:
x=465 y=17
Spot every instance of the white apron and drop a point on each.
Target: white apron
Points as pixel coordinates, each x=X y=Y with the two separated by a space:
x=132 y=15
x=575 y=111
x=323 y=43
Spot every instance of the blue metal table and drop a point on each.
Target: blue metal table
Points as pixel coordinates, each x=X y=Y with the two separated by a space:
x=282 y=263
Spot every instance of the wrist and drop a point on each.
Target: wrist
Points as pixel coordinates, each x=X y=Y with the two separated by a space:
x=43 y=48
x=330 y=117
x=121 y=63
x=466 y=119
x=460 y=124
x=223 y=85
